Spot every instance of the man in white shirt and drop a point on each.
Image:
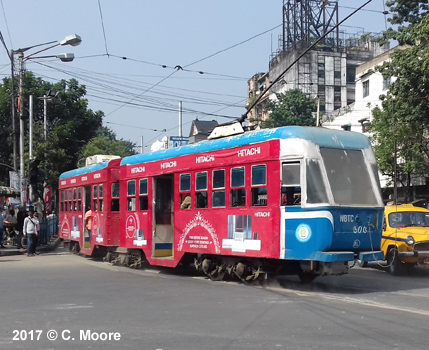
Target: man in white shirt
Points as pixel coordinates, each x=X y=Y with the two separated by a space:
x=30 y=231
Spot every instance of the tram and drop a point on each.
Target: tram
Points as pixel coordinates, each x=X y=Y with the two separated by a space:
x=298 y=200
x=86 y=188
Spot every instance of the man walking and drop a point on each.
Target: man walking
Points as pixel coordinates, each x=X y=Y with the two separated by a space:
x=30 y=231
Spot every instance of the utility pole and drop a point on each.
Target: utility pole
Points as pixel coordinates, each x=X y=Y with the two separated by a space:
x=180 y=118
x=21 y=129
x=12 y=89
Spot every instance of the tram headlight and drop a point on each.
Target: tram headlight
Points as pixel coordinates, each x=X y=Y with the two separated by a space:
x=409 y=240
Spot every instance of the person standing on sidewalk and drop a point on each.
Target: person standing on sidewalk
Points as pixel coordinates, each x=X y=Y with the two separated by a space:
x=20 y=217
x=30 y=231
x=1 y=229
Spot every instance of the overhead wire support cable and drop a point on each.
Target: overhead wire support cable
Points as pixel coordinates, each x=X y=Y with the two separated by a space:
x=244 y=116
x=102 y=25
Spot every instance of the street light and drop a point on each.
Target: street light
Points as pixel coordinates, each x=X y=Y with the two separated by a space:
x=72 y=40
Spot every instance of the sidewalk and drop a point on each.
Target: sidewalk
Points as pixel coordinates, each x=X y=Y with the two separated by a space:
x=52 y=245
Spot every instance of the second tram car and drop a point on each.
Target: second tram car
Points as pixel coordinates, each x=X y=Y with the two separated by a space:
x=301 y=200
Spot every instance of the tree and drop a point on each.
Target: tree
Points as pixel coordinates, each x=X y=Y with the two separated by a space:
x=106 y=143
x=290 y=108
x=70 y=125
x=400 y=126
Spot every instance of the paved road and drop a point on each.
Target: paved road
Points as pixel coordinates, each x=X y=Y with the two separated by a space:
x=80 y=298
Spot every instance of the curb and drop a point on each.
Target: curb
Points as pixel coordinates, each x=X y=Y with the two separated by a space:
x=47 y=248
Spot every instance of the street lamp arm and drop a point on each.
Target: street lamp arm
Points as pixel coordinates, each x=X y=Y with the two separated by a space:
x=31 y=47
x=46 y=48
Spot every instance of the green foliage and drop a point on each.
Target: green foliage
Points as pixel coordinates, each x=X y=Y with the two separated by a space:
x=106 y=145
x=403 y=121
x=405 y=14
x=291 y=108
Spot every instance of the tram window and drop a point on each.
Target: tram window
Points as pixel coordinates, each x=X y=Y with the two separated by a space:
x=291 y=184
x=259 y=178
x=62 y=196
x=259 y=174
x=143 y=198
x=131 y=192
x=218 y=199
x=74 y=194
x=65 y=206
x=201 y=181
x=94 y=205
x=316 y=190
x=290 y=195
x=74 y=206
x=347 y=171
x=100 y=197
x=259 y=196
x=237 y=177
x=201 y=200
x=62 y=206
x=79 y=206
x=70 y=194
x=218 y=178
x=291 y=174
x=185 y=200
x=114 y=203
x=66 y=194
x=79 y=193
x=238 y=197
x=94 y=191
x=185 y=182
x=115 y=190
x=201 y=186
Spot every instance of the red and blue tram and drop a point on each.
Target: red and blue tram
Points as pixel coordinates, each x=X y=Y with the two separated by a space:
x=300 y=200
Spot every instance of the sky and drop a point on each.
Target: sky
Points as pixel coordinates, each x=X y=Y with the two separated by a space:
x=219 y=45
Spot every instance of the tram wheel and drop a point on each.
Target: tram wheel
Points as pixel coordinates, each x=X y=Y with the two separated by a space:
x=307 y=276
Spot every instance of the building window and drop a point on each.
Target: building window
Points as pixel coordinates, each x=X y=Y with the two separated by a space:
x=365 y=86
x=386 y=83
x=337 y=74
x=351 y=74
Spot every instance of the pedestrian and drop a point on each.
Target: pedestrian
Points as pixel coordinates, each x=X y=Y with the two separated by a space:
x=1 y=229
x=30 y=231
x=20 y=217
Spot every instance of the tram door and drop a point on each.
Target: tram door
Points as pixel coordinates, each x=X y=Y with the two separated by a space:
x=163 y=221
x=86 y=206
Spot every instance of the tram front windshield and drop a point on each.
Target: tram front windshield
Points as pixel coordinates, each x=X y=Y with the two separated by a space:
x=349 y=177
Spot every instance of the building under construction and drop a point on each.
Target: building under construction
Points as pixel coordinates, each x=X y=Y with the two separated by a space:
x=327 y=71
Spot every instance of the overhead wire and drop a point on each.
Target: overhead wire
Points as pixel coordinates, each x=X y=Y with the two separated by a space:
x=7 y=25
x=102 y=25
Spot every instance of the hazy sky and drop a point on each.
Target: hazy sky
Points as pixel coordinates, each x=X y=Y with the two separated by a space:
x=138 y=96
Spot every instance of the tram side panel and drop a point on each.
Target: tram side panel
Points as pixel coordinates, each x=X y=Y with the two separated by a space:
x=248 y=229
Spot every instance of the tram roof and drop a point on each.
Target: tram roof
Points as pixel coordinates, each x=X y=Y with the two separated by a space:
x=84 y=170
x=322 y=136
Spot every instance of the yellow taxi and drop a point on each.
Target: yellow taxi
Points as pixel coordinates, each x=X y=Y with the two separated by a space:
x=405 y=239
